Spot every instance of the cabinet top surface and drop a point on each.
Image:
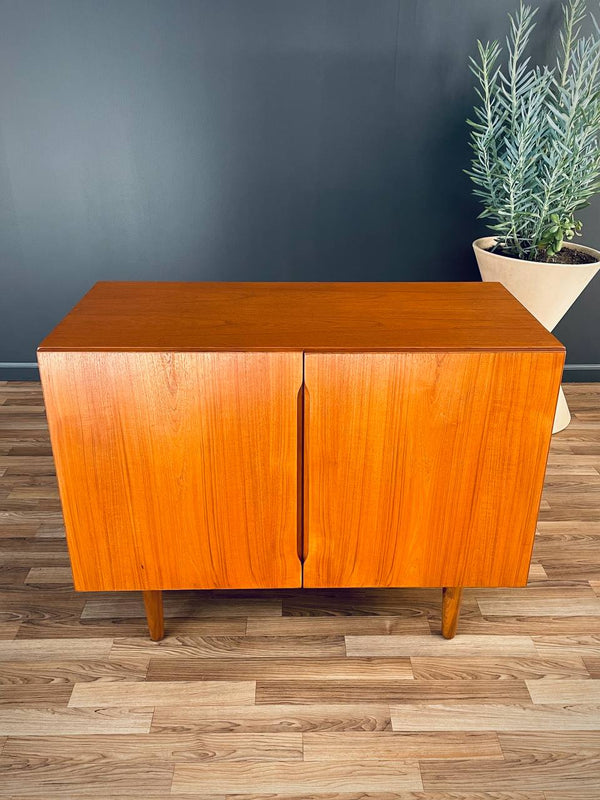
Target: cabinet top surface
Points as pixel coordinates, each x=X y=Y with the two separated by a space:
x=158 y=316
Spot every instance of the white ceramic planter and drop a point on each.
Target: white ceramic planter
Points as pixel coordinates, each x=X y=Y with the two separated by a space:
x=546 y=290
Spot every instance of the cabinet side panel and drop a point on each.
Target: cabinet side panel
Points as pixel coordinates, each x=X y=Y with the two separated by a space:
x=425 y=469
x=176 y=470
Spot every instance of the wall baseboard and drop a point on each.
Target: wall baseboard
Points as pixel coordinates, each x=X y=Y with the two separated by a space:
x=28 y=371
x=19 y=371
x=581 y=373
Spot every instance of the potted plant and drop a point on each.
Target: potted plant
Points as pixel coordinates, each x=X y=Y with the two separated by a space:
x=536 y=162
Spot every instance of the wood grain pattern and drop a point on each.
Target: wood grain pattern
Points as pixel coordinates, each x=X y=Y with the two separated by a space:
x=272 y=718
x=8 y=630
x=59 y=720
x=431 y=502
x=317 y=795
x=564 y=692
x=170 y=693
x=53 y=649
x=285 y=777
x=332 y=746
x=497 y=717
x=215 y=503
x=498 y=668
x=189 y=605
x=37 y=696
x=535 y=626
x=514 y=744
x=543 y=606
x=27 y=777
x=152 y=316
x=70 y=671
x=295 y=639
x=341 y=691
x=570 y=644
x=464 y=645
x=50 y=628
x=183 y=748
x=399 y=603
x=231 y=647
x=51 y=575
x=533 y=771
x=576 y=752
x=296 y=669
x=339 y=625
x=592 y=665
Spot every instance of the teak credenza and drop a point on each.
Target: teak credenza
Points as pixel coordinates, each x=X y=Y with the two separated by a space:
x=271 y=435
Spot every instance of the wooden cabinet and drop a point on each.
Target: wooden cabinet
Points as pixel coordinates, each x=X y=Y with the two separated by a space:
x=177 y=469
x=284 y=435
x=424 y=469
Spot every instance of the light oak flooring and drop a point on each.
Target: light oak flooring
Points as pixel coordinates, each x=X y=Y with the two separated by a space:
x=339 y=695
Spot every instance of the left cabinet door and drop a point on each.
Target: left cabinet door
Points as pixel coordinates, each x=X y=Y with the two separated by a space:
x=177 y=470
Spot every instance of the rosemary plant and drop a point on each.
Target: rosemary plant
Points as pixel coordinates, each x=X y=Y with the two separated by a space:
x=535 y=136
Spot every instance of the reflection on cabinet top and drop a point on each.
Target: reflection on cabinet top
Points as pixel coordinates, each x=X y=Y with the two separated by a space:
x=346 y=317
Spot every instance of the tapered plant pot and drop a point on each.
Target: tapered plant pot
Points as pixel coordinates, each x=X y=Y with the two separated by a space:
x=546 y=290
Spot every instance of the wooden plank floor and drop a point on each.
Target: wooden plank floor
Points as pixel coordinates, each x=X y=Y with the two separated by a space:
x=347 y=695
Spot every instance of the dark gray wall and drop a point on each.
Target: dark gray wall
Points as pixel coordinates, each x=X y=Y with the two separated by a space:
x=239 y=140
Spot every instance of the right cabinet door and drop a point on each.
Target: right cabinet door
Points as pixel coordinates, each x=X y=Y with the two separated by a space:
x=424 y=469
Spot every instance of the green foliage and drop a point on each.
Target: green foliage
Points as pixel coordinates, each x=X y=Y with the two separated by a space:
x=559 y=229
x=535 y=135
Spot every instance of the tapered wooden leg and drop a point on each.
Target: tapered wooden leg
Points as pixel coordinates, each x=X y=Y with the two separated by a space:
x=450 y=610
x=154 y=614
